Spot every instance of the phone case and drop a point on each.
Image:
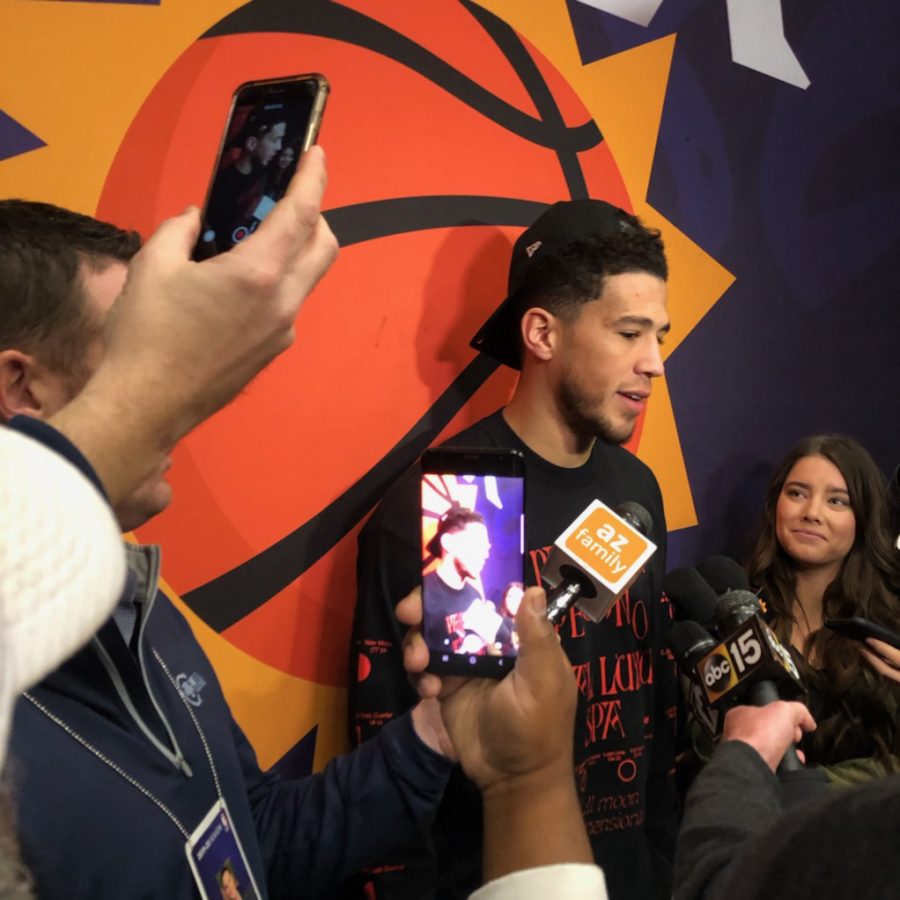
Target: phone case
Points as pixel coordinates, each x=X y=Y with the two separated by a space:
x=271 y=123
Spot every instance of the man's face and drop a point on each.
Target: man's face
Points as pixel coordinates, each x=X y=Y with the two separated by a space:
x=101 y=289
x=229 y=887
x=270 y=143
x=607 y=355
x=469 y=548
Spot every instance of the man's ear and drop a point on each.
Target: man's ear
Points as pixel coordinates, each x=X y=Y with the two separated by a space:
x=26 y=387
x=538 y=330
x=250 y=143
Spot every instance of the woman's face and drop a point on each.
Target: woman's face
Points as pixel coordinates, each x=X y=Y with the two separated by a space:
x=814 y=522
x=286 y=157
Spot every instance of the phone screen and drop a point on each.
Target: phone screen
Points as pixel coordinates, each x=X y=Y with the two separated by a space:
x=270 y=125
x=473 y=508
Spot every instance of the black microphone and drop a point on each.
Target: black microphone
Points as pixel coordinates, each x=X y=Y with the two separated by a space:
x=636 y=516
x=593 y=562
x=692 y=598
x=690 y=643
x=750 y=664
x=723 y=574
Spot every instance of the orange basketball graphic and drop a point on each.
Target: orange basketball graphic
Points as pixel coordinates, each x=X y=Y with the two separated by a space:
x=446 y=134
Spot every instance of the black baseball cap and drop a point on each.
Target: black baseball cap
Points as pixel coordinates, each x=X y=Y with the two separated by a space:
x=559 y=225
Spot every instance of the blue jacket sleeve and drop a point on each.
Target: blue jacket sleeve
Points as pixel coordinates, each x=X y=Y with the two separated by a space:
x=371 y=802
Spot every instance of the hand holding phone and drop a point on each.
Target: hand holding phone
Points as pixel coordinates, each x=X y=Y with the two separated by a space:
x=271 y=123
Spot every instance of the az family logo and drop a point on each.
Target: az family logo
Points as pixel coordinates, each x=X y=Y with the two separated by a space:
x=606 y=544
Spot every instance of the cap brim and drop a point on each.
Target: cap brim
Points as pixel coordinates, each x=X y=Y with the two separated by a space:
x=498 y=336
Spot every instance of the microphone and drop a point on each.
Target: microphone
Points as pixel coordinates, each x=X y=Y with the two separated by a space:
x=596 y=558
x=690 y=643
x=750 y=663
x=723 y=675
x=691 y=596
x=636 y=516
x=723 y=574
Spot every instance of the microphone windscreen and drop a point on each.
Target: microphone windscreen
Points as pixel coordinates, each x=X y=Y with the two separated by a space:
x=691 y=596
x=723 y=574
x=636 y=516
x=690 y=642
x=734 y=608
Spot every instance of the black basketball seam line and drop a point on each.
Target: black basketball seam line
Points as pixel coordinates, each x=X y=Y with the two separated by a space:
x=511 y=46
x=321 y=19
x=373 y=219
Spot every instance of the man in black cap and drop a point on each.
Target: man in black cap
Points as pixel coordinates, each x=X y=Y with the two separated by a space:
x=583 y=322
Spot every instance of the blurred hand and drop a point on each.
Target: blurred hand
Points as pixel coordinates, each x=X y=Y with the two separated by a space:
x=882 y=657
x=768 y=729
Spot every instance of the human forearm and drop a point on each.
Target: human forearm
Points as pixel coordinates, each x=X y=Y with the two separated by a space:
x=533 y=820
x=117 y=435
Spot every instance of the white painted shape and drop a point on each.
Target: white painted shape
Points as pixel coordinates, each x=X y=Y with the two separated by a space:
x=638 y=11
x=756 y=29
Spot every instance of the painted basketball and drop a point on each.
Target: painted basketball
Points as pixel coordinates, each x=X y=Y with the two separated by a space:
x=446 y=133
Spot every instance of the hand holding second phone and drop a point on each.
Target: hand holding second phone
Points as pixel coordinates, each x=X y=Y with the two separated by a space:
x=514 y=739
x=882 y=657
x=505 y=728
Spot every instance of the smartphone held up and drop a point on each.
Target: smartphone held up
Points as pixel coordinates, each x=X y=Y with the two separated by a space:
x=271 y=123
x=473 y=505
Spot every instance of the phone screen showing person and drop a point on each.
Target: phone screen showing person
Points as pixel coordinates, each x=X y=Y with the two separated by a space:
x=473 y=510
x=270 y=125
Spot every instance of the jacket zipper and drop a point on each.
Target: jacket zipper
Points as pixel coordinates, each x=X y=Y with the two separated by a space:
x=177 y=758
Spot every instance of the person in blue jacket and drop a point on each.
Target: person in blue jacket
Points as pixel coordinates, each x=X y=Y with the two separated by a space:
x=124 y=755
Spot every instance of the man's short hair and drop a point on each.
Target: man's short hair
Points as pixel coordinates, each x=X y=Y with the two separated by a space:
x=577 y=273
x=455 y=519
x=42 y=300
x=562 y=261
x=258 y=124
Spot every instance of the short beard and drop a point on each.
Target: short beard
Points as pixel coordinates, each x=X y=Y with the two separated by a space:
x=584 y=424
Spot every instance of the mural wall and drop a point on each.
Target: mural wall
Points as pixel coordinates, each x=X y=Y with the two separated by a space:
x=761 y=137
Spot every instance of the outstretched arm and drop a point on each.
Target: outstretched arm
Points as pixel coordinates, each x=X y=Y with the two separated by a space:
x=514 y=740
x=736 y=796
x=185 y=337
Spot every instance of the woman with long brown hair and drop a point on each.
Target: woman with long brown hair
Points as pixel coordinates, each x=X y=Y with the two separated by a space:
x=824 y=552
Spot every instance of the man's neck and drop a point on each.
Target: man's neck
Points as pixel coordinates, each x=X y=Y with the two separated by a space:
x=244 y=164
x=535 y=418
x=450 y=575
